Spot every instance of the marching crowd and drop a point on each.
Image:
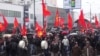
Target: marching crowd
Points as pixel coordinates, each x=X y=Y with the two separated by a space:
x=53 y=44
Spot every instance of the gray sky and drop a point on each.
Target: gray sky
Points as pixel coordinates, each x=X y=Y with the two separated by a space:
x=93 y=4
x=86 y=5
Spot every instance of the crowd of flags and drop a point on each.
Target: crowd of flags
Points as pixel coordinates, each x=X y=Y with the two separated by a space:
x=59 y=22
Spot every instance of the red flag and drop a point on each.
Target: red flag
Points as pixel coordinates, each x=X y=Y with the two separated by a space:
x=89 y=25
x=56 y=23
x=38 y=27
x=39 y=30
x=70 y=22
x=23 y=31
x=15 y=23
x=46 y=12
x=2 y=28
x=5 y=22
x=96 y=22
x=61 y=20
x=81 y=20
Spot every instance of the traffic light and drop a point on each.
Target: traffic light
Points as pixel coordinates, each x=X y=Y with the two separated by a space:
x=72 y=3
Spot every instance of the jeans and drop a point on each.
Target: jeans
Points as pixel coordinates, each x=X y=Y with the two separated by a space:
x=32 y=49
x=66 y=51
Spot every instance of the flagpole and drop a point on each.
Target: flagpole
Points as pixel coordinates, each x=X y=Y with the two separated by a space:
x=23 y=13
x=90 y=11
x=43 y=17
x=34 y=15
x=43 y=20
x=25 y=9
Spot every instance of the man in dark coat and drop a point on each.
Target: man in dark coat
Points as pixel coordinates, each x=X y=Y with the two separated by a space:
x=76 y=50
x=88 y=50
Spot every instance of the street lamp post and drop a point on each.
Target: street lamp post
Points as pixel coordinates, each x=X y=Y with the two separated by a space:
x=90 y=14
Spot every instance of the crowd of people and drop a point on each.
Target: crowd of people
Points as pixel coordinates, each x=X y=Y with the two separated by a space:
x=53 y=44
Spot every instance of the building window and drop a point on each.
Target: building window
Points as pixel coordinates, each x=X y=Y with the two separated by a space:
x=9 y=13
x=3 y=12
x=18 y=14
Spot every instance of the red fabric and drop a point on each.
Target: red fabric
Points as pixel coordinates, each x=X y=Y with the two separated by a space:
x=5 y=22
x=56 y=23
x=2 y=28
x=89 y=25
x=64 y=32
x=61 y=20
x=96 y=22
x=16 y=23
x=23 y=31
x=70 y=22
x=46 y=12
x=39 y=30
x=38 y=27
x=44 y=32
x=26 y=19
x=81 y=20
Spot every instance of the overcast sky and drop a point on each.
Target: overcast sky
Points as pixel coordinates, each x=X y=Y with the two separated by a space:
x=94 y=5
x=86 y=5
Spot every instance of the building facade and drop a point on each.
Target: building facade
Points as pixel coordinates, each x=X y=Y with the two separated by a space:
x=15 y=8
x=10 y=11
